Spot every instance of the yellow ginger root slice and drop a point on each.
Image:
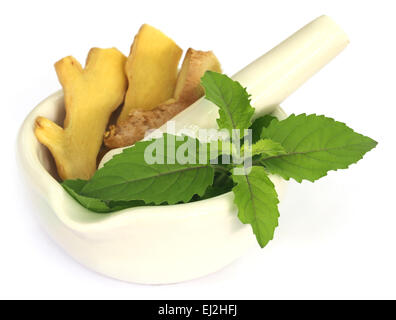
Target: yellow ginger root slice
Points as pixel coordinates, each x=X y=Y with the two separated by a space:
x=188 y=90
x=151 y=69
x=91 y=95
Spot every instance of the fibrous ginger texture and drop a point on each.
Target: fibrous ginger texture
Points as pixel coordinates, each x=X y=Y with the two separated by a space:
x=91 y=95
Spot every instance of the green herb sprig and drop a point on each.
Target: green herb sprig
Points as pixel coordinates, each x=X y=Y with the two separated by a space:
x=301 y=147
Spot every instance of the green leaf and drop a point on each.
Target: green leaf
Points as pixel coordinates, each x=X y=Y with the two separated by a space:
x=257 y=203
x=266 y=148
x=314 y=145
x=259 y=124
x=127 y=176
x=120 y=205
x=232 y=99
x=74 y=187
x=222 y=183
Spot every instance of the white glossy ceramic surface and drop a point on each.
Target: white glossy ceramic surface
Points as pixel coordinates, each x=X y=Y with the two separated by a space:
x=167 y=244
x=152 y=245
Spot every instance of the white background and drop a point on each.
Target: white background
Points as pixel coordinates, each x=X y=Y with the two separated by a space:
x=336 y=238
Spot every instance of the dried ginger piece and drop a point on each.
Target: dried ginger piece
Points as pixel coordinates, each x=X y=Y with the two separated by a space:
x=91 y=95
x=151 y=69
x=188 y=90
